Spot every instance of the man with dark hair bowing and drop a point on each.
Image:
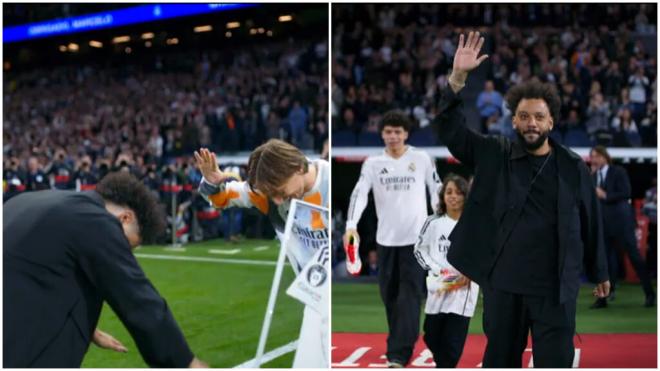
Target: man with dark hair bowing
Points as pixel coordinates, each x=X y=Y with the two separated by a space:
x=531 y=224
x=64 y=254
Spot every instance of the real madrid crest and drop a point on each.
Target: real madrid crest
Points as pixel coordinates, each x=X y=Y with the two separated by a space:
x=412 y=167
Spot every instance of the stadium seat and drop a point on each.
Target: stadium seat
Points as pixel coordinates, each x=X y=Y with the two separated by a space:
x=423 y=138
x=577 y=138
x=556 y=136
x=343 y=138
x=370 y=140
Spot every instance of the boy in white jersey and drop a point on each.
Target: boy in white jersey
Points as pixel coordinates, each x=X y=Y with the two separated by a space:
x=451 y=298
x=399 y=178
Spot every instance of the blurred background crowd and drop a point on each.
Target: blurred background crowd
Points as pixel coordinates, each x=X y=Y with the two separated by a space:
x=74 y=114
x=602 y=58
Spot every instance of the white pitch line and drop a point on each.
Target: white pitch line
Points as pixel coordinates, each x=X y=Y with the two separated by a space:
x=210 y=260
x=176 y=249
x=275 y=353
x=225 y=252
x=261 y=248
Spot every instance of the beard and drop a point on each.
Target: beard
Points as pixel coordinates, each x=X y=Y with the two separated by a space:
x=535 y=144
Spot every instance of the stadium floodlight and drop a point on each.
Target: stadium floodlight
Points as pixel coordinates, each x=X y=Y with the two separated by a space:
x=253 y=31
x=63 y=48
x=231 y=25
x=95 y=44
x=147 y=44
x=121 y=39
x=228 y=34
x=205 y=28
x=73 y=47
x=269 y=33
x=285 y=18
x=128 y=50
x=261 y=30
x=147 y=35
x=172 y=41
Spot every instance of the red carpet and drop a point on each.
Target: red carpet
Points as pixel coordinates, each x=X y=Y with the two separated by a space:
x=351 y=350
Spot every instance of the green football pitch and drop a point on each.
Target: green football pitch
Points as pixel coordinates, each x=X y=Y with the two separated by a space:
x=356 y=307
x=218 y=294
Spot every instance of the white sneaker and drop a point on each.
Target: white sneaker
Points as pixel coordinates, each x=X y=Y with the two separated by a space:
x=394 y=364
x=353 y=262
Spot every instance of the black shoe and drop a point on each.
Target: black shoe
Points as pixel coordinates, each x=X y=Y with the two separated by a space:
x=650 y=301
x=612 y=296
x=599 y=303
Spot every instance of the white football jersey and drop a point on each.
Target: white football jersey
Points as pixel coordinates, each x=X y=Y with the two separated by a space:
x=399 y=187
x=431 y=253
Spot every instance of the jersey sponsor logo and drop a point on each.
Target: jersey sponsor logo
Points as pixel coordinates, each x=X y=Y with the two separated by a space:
x=397 y=183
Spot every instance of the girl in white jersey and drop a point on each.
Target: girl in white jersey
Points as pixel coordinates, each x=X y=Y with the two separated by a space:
x=451 y=297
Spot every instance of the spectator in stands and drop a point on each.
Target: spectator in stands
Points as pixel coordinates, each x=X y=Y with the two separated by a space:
x=59 y=171
x=598 y=113
x=625 y=130
x=14 y=178
x=36 y=177
x=489 y=103
x=86 y=176
x=372 y=263
x=298 y=122
x=638 y=84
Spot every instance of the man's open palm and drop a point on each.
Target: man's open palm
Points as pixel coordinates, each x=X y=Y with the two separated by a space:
x=466 y=58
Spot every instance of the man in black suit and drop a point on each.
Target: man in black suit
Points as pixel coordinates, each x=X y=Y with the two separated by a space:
x=530 y=225
x=65 y=253
x=613 y=190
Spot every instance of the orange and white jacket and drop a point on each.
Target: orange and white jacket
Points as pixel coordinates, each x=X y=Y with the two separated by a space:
x=235 y=193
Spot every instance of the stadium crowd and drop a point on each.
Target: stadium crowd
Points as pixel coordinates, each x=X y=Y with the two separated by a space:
x=67 y=126
x=398 y=56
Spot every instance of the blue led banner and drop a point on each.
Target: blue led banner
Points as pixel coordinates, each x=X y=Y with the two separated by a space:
x=122 y=17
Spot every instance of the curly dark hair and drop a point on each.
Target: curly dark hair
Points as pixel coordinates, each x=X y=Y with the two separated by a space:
x=395 y=118
x=535 y=89
x=461 y=184
x=125 y=190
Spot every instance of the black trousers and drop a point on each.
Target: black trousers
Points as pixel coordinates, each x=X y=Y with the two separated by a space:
x=508 y=318
x=401 y=282
x=652 y=252
x=627 y=240
x=445 y=335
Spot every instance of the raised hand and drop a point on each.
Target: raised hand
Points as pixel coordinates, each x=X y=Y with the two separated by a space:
x=467 y=57
x=208 y=164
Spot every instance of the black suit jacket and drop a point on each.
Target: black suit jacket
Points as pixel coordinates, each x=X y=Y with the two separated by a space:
x=618 y=214
x=497 y=198
x=64 y=254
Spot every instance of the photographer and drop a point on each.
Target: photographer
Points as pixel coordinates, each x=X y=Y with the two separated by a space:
x=86 y=176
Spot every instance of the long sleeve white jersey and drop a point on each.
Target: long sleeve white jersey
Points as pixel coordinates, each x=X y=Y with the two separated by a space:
x=399 y=187
x=431 y=253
